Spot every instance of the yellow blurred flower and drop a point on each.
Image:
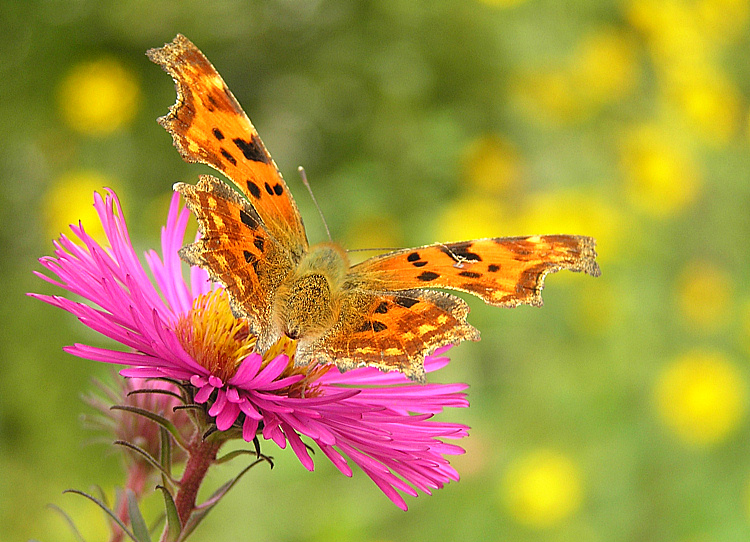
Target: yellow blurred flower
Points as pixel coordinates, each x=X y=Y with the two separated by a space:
x=71 y=199
x=701 y=396
x=723 y=21
x=97 y=98
x=660 y=176
x=704 y=294
x=491 y=163
x=470 y=217
x=605 y=67
x=671 y=30
x=710 y=103
x=542 y=488
x=575 y=213
x=602 y=70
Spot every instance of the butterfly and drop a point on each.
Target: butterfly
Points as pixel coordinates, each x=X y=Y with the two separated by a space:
x=383 y=312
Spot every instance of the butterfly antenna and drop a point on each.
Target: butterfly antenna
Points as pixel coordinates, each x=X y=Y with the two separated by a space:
x=374 y=249
x=309 y=189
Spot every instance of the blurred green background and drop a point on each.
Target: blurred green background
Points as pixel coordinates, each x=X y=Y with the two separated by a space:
x=618 y=412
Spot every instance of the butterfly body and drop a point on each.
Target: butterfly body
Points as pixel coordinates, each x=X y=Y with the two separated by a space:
x=309 y=300
x=383 y=312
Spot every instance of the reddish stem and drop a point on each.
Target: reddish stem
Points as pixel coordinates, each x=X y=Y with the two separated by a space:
x=202 y=456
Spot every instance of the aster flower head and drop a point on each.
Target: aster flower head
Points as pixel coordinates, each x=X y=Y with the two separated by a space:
x=184 y=331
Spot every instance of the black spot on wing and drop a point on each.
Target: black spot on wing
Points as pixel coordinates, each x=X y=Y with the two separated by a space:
x=365 y=327
x=248 y=220
x=278 y=189
x=253 y=189
x=415 y=259
x=229 y=157
x=252 y=150
x=461 y=251
x=371 y=325
x=269 y=189
x=378 y=326
x=406 y=302
x=427 y=276
x=218 y=134
x=259 y=243
x=493 y=268
x=382 y=308
x=470 y=274
x=248 y=256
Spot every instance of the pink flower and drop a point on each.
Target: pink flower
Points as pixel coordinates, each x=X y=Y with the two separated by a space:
x=185 y=331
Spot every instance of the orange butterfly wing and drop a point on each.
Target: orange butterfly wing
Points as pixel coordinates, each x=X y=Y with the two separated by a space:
x=389 y=320
x=209 y=126
x=392 y=331
x=503 y=271
x=237 y=251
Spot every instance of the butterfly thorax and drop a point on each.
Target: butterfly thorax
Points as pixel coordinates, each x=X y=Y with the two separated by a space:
x=307 y=304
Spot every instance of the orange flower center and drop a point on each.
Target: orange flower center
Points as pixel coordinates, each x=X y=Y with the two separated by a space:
x=218 y=341
x=213 y=337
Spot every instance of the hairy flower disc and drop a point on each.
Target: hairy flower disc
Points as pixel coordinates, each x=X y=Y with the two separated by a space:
x=213 y=337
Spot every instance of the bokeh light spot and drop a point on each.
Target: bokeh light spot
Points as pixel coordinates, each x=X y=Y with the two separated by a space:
x=542 y=488
x=606 y=66
x=98 y=97
x=701 y=397
x=661 y=178
x=70 y=200
x=491 y=163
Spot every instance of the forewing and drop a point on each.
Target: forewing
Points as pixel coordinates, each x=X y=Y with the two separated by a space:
x=209 y=126
x=237 y=251
x=503 y=271
x=392 y=331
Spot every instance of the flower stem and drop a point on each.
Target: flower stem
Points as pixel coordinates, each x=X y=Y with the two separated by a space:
x=202 y=456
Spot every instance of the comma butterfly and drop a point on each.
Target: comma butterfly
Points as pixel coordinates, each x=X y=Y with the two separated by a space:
x=376 y=313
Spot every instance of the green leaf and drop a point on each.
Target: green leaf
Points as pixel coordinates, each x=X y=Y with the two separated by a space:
x=161 y=420
x=231 y=455
x=156 y=391
x=147 y=456
x=76 y=533
x=166 y=452
x=136 y=518
x=109 y=512
x=174 y=525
